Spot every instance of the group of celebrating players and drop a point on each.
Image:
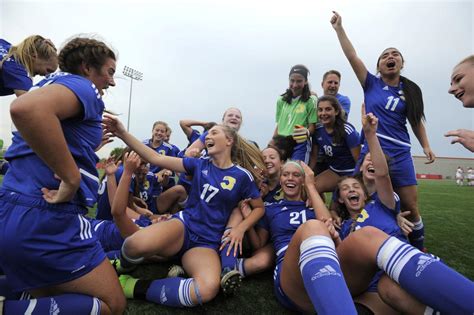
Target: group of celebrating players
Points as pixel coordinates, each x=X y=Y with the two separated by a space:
x=220 y=197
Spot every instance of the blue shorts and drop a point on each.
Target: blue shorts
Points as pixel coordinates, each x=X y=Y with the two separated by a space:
x=400 y=166
x=43 y=244
x=280 y=295
x=302 y=151
x=341 y=173
x=192 y=239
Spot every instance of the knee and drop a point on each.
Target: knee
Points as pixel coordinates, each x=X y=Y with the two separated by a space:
x=117 y=304
x=132 y=247
x=207 y=288
x=389 y=291
x=263 y=262
x=313 y=227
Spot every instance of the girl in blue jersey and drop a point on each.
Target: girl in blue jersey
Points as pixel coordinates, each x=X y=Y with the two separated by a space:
x=296 y=113
x=232 y=118
x=339 y=141
x=47 y=247
x=194 y=234
x=372 y=235
x=306 y=264
x=393 y=99
x=462 y=83
x=35 y=55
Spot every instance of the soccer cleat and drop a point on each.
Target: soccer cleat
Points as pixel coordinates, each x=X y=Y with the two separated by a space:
x=128 y=285
x=176 y=271
x=2 y=298
x=230 y=280
x=119 y=269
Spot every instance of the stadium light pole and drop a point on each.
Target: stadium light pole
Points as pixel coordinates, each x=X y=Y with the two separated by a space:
x=133 y=75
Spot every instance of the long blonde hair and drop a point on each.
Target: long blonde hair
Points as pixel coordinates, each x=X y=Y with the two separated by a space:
x=29 y=49
x=245 y=154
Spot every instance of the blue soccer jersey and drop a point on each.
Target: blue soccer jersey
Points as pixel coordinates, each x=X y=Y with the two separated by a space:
x=28 y=173
x=274 y=195
x=163 y=149
x=148 y=190
x=339 y=156
x=282 y=219
x=103 y=204
x=376 y=214
x=215 y=193
x=388 y=104
x=13 y=75
x=345 y=103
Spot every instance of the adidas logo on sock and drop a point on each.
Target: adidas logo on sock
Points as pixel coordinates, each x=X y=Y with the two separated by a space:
x=325 y=271
x=163 y=297
x=423 y=262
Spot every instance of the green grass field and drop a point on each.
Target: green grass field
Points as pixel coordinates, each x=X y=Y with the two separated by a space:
x=447 y=212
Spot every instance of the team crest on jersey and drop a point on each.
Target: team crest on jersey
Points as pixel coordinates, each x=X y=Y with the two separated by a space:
x=300 y=108
x=162 y=152
x=362 y=216
x=146 y=184
x=228 y=182
x=279 y=195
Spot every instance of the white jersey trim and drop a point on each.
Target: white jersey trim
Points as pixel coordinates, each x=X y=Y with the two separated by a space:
x=393 y=140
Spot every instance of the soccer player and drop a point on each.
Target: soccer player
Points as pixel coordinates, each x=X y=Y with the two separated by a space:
x=459 y=176
x=393 y=99
x=35 y=55
x=195 y=233
x=338 y=140
x=330 y=84
x=47 y=247
x=462 y=87
x=296 y=114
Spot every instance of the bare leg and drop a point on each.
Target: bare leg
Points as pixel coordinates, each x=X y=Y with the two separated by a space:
x=392 y=294
x=326 y=181
x=204 y=266
x=101 y=282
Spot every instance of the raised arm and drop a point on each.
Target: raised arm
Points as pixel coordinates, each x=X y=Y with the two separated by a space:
x=113 y=125
x=320 y=210
x=382 y=177
x=37 y=115
x=186 y=125
x=120 y=202
x=357 y=65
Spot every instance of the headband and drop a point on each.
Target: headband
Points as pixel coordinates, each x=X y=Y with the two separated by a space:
x=300 y=69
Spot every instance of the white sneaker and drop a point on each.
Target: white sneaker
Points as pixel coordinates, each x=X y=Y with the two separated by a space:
x=175 y=271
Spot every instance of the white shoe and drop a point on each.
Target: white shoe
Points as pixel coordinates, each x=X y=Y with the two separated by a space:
x=175 y=271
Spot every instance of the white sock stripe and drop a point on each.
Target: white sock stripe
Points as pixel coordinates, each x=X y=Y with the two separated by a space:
x=188 y=291
x=316 y=240
x=397 y=255
x=317 y=251
x=385 y=251
x=31 y=307
x=95 y=306
x=181 y=292
x=418 y=225
x=303 y=263
x=402 y=262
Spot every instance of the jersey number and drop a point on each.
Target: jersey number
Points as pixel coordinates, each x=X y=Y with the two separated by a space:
x=209 y=189
x=298 y=217
x=392 y=103
x=327 y=150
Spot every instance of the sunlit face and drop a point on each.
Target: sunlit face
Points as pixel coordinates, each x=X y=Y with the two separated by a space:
x=45 y=66
x=351 y=194
x=297 y=83
x=217 y=141
x=272 y=161
x=326 y=113
x=367 y=168
x=159 y=132
x=330 y=85
x=291 y=181
x=390 y=62
x=462 y=83
x=232 y=118
x=104 y=77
